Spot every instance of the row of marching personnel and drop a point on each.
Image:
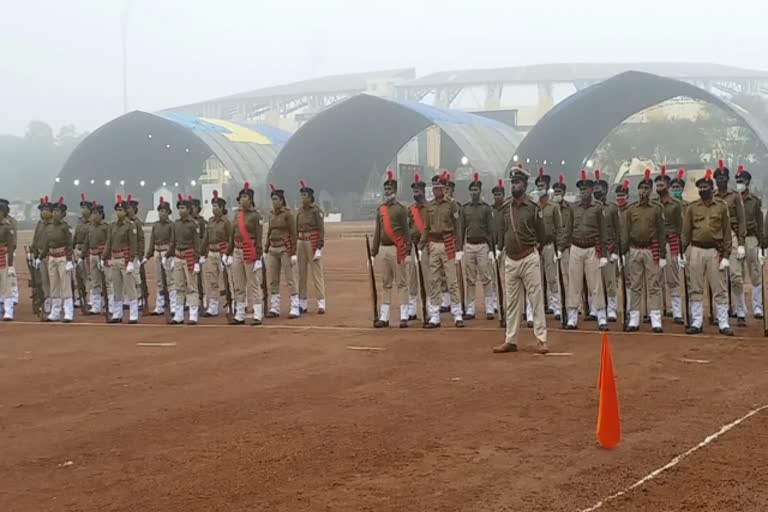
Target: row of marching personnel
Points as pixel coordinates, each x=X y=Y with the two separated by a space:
x=202 y=267
x=550 y=256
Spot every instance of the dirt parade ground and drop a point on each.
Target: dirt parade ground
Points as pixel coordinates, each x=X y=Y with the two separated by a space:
x=325 y=413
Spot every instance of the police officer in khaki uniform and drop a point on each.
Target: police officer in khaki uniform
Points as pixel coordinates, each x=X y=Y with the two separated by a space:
x=7 y=269
x=12 y=278
x=612 y=231
x=738 y=240
x=588 y=254
x=122 y=252
x=133 y=216
x=93 y=247
x=56 y=245
x=310 y=229
x=707 y=248
x=82 y=276
x=444 y=248
x=476 y=229
x=552 y=225
x=245 y=258
x=159 y=242
x=622 y=206
x=498 y=207
x=215 y=246
x=564 y=237
x=753 y=215
x=521 y=229
x=281 y=255
x=392 y=242
x=643 y=239
x=673 y=226
x=41 y=265
x=416 y=214
x=450 y=190
x=186 y=260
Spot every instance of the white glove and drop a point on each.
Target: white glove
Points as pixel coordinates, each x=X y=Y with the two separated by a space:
x=144 y=260
x=196 y=268
x=761 y=257
x=662 y=263
x=227 y=260
x=295 y=259
x=622 y=261
x=11 y=272
x=724 y=263
x=257 y=266
x=614 y=257
x=371 y=262
x=740 y=252
x=421 y=254
x=681 y=261
x=69 y=267
x=491 y=256
x=37 y=263
x=318 y=255
x=558 y=255
x=202 y=260
x=459 y=255
x=603 y=261
x=129 y=267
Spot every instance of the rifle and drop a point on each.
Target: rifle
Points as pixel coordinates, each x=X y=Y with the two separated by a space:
x=624 y=286
x=711 y=308
x=561 y=282
x=228 y=295
x=144 y=289
x=460 y=281
x=264 y=284
x=730 y=298
x=104 y=290
x=80 y=281
x=686 y=302
x=35 y=286
x=372 y=275
x=762 y=292
x=422 y=286
x=166 y=295
x=499 y=287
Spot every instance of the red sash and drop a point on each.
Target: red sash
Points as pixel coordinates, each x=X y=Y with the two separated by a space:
x=188 y=255
x=125 y=253
x=674 y=243
x=288 y=245
x=399 y=241
x=250 y=253
x=417 y=218
x=655 y=250
x=223 y=246
x=450 y=245
x=3 y=256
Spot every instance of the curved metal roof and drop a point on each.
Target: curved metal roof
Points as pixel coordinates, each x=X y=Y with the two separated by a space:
x=166 y=147
x=340 y=146
x=576 y=126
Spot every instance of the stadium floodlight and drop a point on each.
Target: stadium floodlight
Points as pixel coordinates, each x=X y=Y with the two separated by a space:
x=168 y=146
x=545 y=162
x=176 y=184
x=165 y=184
x=527 y=160
x=187 y=150
x=193 y=183
x=108 y=182
x=149 y=135
x=76 y=182
x=142 y=183
x=93 y=182
x=464 y=161
x=57 y=180
x=122 y=183
x=226 y=173
x=590 y=163
x=515 y=158
x=562 y=162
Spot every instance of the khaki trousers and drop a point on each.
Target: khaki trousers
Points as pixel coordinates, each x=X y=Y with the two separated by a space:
x=643 y=271
x=550 y=270
x=278 y=259
x=753 y=263
x=413 y=276
x=391 y=274
x=123 y=283
x=309 y=269
x=82 y=271
x=185 y=284
x=672 y=274
x=737 y=269
x=565 y=259
x=521 y=278
x=95 y=273
x=212 y=275
x=45 y=280
x=58 y=277
x=440 y=267
x=705 y=268
x=476 y=267
x=247 y=280
x=157 y=262
x=583 y=262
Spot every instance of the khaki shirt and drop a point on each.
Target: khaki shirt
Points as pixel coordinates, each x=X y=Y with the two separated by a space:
x=612 y=224
x=552 y=223
x=216 y=231
x=252 y=226
x=753 y=213
x=566 y=225
x=159 y=236
x=139 y=234
x=8 y=239
x=476 y=223
x=122 y=235
x=97 y=237
x=414 y=229
x=673 y=214
x=521 y=226
x=398 y=216
x=588 y=227
x=55 y=236
x=311 y=219
x=735 y=213
x=37 y=247
x=644 y=223
x=282 y=226
x=442 y=217
x=185 y=235
x=708 y=225
x=81 y=232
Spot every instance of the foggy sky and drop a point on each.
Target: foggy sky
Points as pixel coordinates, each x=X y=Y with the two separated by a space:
x=60 y=60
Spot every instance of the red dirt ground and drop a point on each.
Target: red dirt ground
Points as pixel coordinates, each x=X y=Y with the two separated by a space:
x=288 y=418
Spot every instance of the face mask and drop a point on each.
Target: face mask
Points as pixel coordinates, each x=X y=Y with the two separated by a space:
x=586 y=196
x=621 y=200
x=534 y=195
x=598 y=194
x=677 y=194
x=705 y=194
x=558 y=198
x=741 y=187
x=475 y=196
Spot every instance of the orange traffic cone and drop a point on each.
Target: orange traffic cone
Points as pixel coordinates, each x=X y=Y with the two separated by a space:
x=608 y=420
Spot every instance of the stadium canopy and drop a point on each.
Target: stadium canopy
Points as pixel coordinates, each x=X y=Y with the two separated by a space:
x=170 y=148
x=339 y=148
x=570 y=132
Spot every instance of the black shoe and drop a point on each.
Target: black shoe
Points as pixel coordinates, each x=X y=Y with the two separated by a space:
x=658 y=330
x=235 y=322
x=731 y=314
x=646 y=319
x=529 y=324
x=303 y=310
x=727 y=331
x=602 y=327
x=445 y=309
x=693 y=330
x=679 y=321
x=133 y=322
x=412 y=318
x=741 y=322
x=591 y=317
x=154 y=313
x=320 y=311
x=256 y=322
x=469 y=317
x=115 y=321
x=65 y=321
x=459 y=323
x=489 y=316
x=403 y=324
x=570 y=327
x=557 y=317
x=548 y=311
x=632 y=328
x=612 y=320
x=430 y=325
x=272 y=314
x=758 y=316
x=378 y=324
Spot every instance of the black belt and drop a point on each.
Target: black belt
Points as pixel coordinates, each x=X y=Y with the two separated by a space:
x=477 y=241
x=701 y=245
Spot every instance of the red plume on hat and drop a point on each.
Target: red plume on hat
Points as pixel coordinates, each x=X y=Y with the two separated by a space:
x=162 y=200
x=303 y=183
x=501 y=183
x=680 y=174
x=120 y=198
x=708 y=175
x=626 y=184
x=94 y=202
x=46 y=199
x=647 y=174
x=584 y=176
x=741 y=169
x=216 y=193
x=82 y=196
x=272 y=186
x=477 y=177
x=520 y=166
x=130 y=198
x=61 y=200
x=416 y=178
x=190 y=197
x=597 y=174
x=664 y=170
x=561 y=179
x=390 y=175
x=246 y=186
x=541 y=172
x=721 y=165
x=181 y=198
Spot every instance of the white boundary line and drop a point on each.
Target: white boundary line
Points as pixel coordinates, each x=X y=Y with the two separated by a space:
x=674 y=462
